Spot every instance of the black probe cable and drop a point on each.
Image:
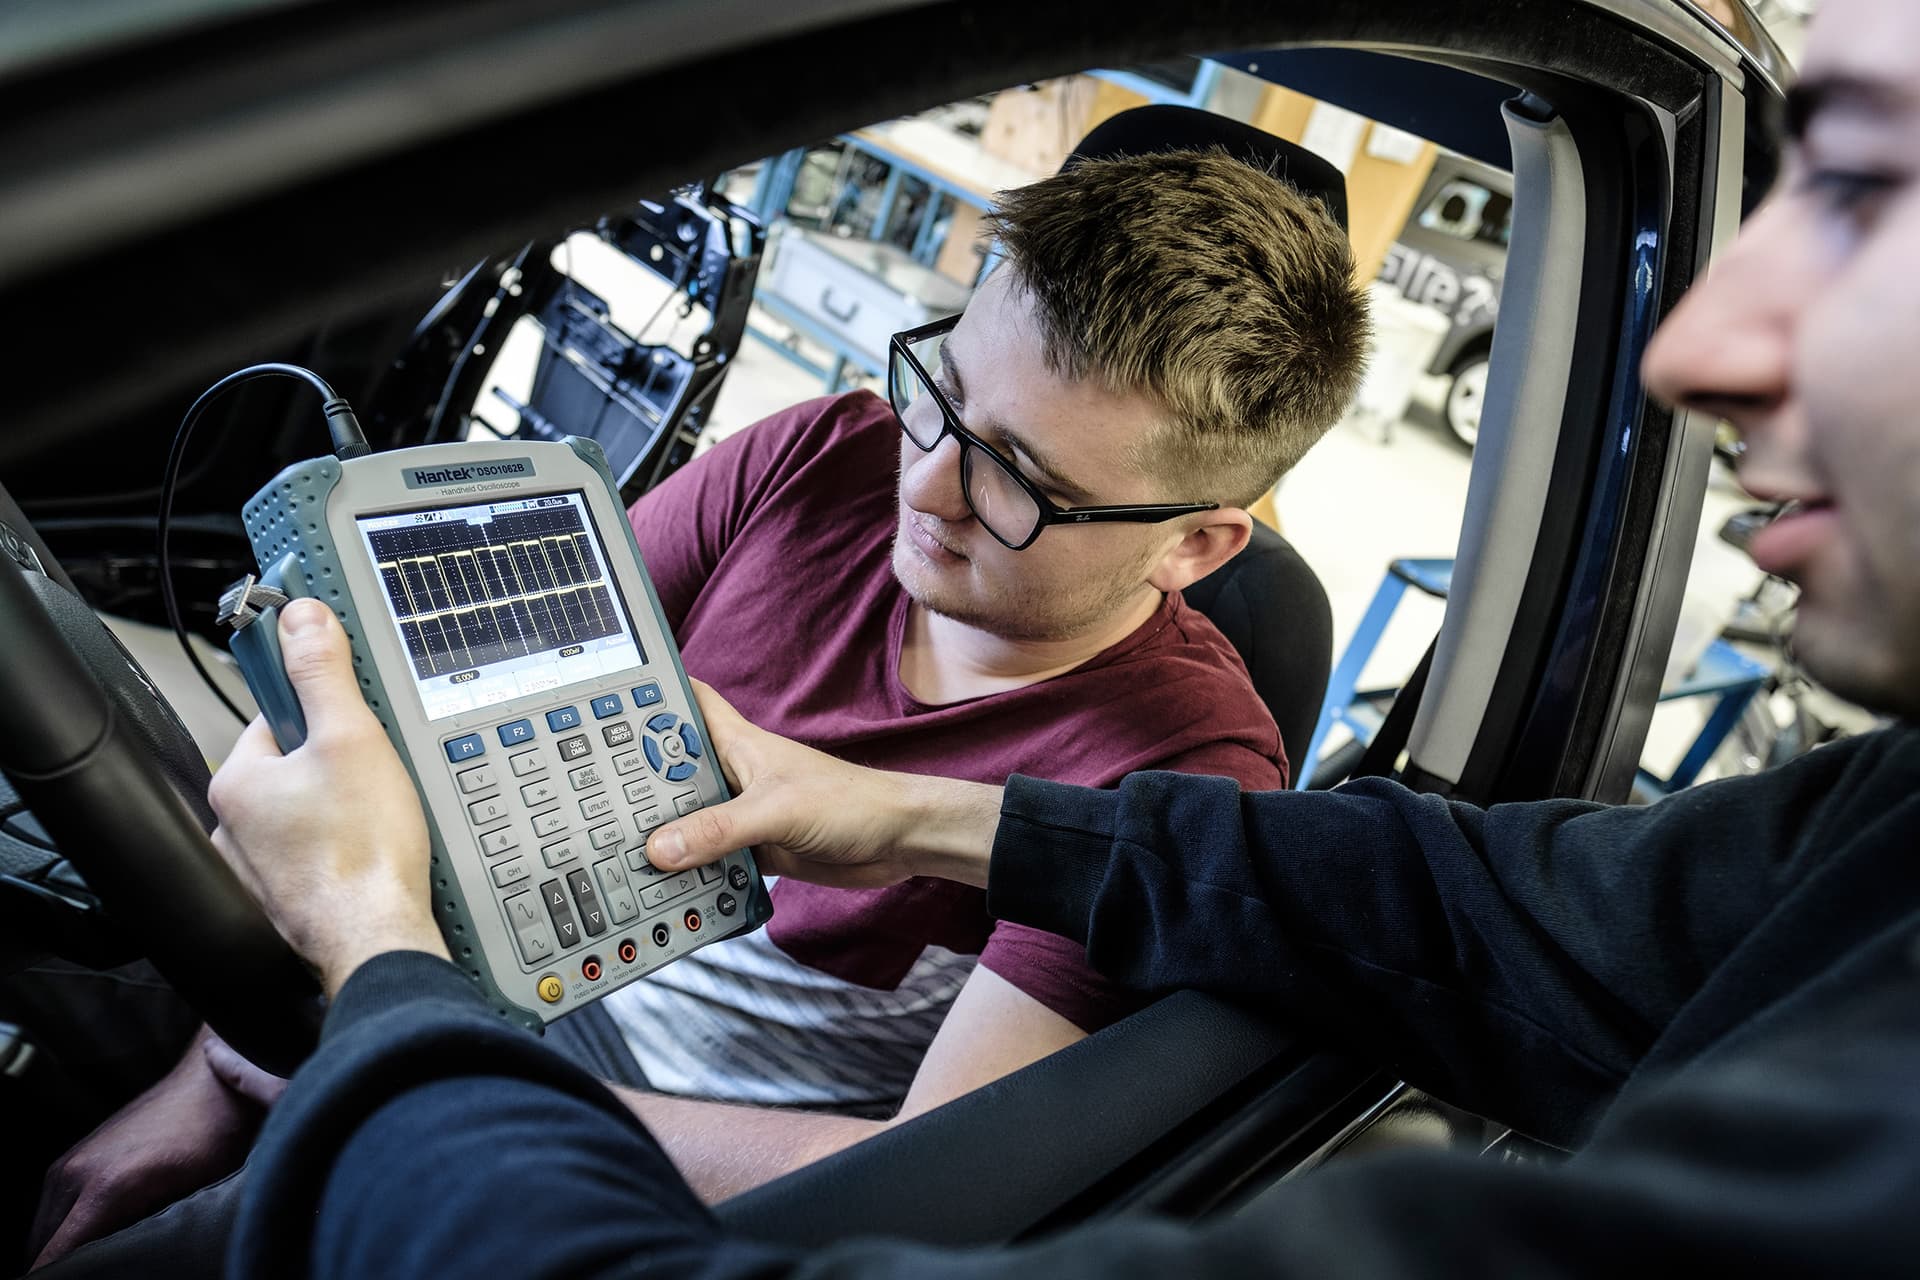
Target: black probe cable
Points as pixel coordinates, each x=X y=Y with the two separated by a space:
x=349 y=441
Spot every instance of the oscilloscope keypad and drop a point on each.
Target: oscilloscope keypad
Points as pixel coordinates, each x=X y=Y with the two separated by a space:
x=586 y=808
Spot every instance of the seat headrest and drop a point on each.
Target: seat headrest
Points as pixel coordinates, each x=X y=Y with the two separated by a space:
x=1146 y=130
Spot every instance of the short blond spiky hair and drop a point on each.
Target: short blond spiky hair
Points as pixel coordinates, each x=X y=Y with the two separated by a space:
x=1208 y=284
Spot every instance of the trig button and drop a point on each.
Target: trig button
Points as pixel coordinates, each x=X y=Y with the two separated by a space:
x=647 y=695
x=607 y=705
x=563 y=718
x=551 y=989
x=516 y=732
x=466 y=748
x=575 y=748
x=686 y=802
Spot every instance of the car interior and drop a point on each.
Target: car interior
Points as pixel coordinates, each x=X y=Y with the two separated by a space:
x=376 y=191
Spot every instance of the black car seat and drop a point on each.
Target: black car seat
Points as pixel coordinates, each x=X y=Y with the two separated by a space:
x=1272 y=609
x=1267 y=601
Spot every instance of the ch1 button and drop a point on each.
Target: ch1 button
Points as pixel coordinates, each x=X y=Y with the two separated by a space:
x=551 y=988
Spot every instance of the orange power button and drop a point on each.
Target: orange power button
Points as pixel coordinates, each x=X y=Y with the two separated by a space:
x=550 y=989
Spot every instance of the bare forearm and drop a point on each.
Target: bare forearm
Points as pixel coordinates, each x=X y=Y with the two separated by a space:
x=722 y=1149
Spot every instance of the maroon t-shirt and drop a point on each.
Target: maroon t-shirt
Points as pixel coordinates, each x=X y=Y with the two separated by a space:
x=772 y=557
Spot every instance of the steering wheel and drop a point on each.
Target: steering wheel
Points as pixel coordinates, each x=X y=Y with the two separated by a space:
x=107 y=768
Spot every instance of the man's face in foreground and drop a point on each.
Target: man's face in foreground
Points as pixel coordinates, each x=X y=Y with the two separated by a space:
x=1072 y=439
x=1806 y=336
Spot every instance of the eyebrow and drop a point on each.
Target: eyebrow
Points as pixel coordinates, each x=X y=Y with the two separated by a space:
x=1048 y=472
x=1851 y=94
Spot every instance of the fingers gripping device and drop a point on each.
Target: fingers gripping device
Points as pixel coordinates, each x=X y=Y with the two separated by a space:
x=507 y=637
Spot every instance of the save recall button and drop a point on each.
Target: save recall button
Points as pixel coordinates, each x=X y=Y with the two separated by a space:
x=550 y=988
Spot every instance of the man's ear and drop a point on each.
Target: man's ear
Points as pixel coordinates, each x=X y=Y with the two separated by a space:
x=1218 y=538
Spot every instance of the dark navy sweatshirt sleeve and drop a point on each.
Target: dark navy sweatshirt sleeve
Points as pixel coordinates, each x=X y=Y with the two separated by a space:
x=1519 y=959
x=427 y=1138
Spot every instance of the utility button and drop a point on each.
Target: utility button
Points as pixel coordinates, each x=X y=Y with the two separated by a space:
x=596 y=806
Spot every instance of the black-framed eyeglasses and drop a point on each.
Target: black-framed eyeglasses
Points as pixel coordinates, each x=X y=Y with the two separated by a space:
x=1008 y=505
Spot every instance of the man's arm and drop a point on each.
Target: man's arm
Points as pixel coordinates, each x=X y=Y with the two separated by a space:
x=427 y=1137
x=1519 y=959
x=722 y=1149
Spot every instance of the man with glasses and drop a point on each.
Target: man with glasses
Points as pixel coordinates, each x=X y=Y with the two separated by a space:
x=976 y=577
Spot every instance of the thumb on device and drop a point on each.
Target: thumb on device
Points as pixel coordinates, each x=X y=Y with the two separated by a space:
x=319 y=663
